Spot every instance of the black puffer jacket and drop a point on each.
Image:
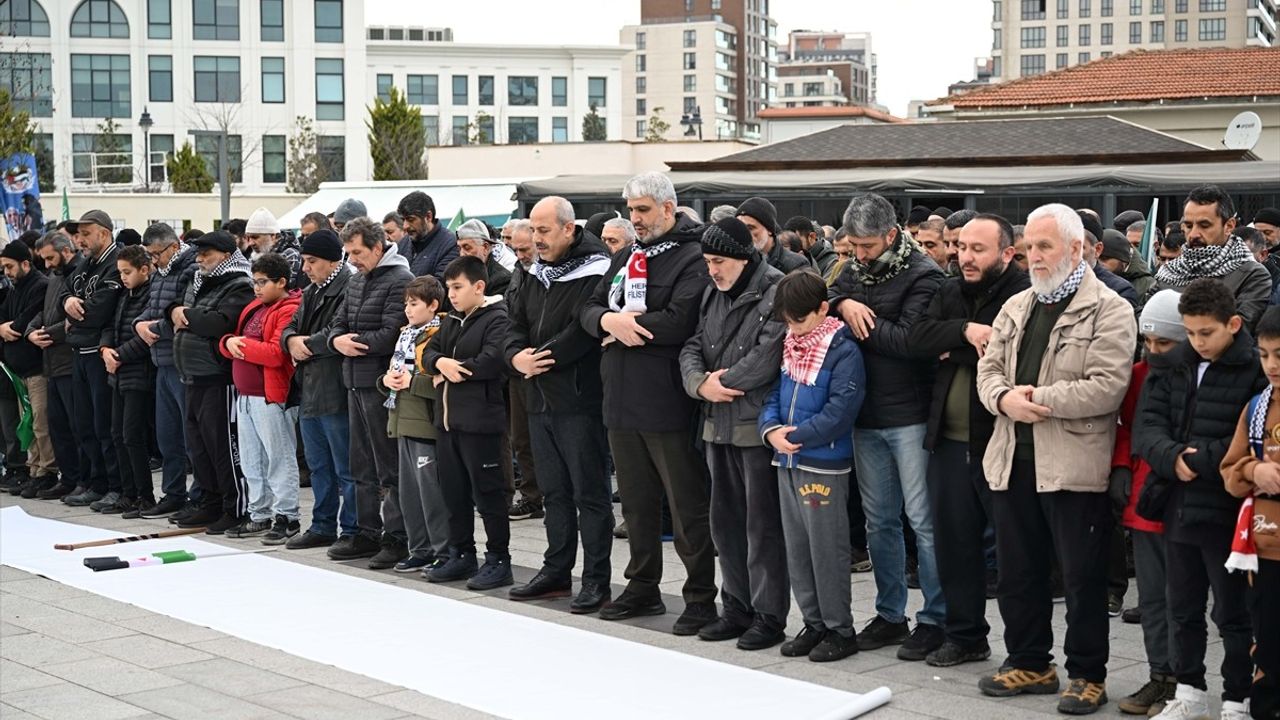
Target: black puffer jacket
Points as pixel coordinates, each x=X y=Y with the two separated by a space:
x=643 y=390
x=431 y=254
x=211 y=313
x=21 y=306
x=941 y=330
x=899 y=381
x=547 y=319
x=499 y=278
x=136 y=371
x=785 y=260
x=476 y=404
x=317 y=381
x=96 y=281
x=374 y=311
x=165 y=291
x=1175 y=414
x=742 y=337
x=53 y=320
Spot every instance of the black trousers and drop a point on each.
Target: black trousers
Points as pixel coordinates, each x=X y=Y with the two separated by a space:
x=471 y=477
x=61 y=433
x=1265 y=695
x=1192 y=572
x=961 y=502
x=522 y=445
x=92 y=422
x=570 y=450
x=131 y=432
x=650 y=465
x=1029 y=526
x=375 y=467
x=214 y=447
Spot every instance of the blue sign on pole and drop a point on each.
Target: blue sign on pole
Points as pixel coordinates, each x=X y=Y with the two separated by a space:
x=20 y=187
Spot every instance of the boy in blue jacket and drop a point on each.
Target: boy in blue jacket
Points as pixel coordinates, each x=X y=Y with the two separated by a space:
x=808 y=420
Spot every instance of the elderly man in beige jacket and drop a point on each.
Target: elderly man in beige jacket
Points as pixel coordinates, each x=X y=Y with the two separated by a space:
x=1054 y=373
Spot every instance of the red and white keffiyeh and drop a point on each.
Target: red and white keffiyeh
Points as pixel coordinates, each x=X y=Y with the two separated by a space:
x=802 y=355
x=1244 y=551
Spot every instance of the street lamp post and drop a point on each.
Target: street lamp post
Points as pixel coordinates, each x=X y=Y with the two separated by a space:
x=692 y=122
x=224 y=171
x=145 y=122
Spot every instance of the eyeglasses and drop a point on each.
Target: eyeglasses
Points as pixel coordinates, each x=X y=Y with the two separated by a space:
x=158 y=255
x=263 y=282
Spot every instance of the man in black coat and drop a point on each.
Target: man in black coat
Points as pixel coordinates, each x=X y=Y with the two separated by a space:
x=881 y=294
x=427 y=245
x=955 y=330
x=644 y=309
x=22 y=303
x=561 y=363
x=323 y=419
x=48 y=332
x=761 y=218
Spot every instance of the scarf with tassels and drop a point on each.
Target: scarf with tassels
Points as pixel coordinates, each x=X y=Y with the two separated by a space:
x=404 y=356
x=889 y=265
x=237 y=263
x=802 y=355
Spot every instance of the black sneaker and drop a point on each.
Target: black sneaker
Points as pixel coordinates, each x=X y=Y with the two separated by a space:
x=309 y=539
x=543 y=586
x=620 y=530
x=223 y=524
x=56 y=491
x=722 y=628
x=168 y=505
x=74 y=492
x=413 y=564
x=188 y=509
x=1115 y=605
x=249 y=528
x=123 y=505
x=526 y=510
x=31 y=488
x=1158 y=691
x=353 y=547
x=202 y=517
x=880 y=632
x=1132 y=616
x=390 y=552
x=459 y=566
x=952 y=653
x=860 y=560
x=138 y=508
x=10 y=480
x=761 y=635
x=696 y=616
x=84 y=499
x=18 y=482
x=1082 y=697
x=495 y=573
x=801 y=645
x=834 y=646
x=591 y=597
x=437 y=561
x=282 y=528
x=106 y=504
x=629 y=606
x=923 y=640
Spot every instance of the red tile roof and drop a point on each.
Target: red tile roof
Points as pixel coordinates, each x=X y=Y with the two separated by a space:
x=852 y=111
x=1137 y=76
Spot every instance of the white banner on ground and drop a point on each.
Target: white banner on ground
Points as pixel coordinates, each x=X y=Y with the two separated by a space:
x=499 y=663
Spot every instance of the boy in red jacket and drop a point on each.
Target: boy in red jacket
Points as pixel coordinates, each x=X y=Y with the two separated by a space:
x=262 y=372
x=1162 y=330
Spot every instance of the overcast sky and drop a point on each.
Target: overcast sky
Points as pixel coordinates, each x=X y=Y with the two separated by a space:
x=922 y=45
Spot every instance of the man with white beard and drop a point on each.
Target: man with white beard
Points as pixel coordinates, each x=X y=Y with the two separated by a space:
x=1055 y=371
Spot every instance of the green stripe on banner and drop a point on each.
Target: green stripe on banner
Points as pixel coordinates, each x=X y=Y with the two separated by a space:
x=175 y=556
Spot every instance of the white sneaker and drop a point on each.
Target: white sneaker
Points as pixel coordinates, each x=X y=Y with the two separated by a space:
x=1235 y=710
x=1189 y=703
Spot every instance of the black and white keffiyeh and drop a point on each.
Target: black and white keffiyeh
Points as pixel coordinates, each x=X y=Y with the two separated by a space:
x=164 y=271
x=1211 y=261
x=237 y=263
x=570 y=269
x=1067 y=288
x=337 y=269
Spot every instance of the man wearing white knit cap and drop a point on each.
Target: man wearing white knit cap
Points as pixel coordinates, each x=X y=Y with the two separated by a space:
x=262 y=230
x=474 y=240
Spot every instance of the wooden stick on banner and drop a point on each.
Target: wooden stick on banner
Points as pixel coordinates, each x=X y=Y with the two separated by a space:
x=131 y=538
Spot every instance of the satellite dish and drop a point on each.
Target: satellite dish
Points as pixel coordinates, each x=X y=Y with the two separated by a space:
x=1243 y=131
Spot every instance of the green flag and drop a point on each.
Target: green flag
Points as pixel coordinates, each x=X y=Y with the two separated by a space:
x=66 y=207
x=457 y=220
x=25 y=431
x=1147 y=247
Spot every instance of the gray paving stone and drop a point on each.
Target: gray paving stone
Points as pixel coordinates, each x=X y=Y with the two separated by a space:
x=66 y=701
x=36 y=650
x=9 y=712
x=146 y=651
x=170 y=628
x=419 y=705
x=197 y=703
x=102 y=608
x=228 y=676
x=7 y=629
x=111 y=676
x=38 y=588
x=8 y=574
x=320 y=703
x=15 y=677
x=69 y=627
x=293 y=666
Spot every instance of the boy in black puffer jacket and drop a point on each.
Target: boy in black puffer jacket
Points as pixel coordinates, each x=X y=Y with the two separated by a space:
x=1189 y=409
x=132 y=378
x=466 y=359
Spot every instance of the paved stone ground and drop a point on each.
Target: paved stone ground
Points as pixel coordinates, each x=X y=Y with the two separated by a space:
x=66 y=654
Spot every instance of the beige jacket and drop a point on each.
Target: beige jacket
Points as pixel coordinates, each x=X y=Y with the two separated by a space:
x=1083 y=378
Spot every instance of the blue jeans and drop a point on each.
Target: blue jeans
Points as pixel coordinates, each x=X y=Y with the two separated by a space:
x=269 y=457
x=326 y=440
x=171 y=409
x=892 y=469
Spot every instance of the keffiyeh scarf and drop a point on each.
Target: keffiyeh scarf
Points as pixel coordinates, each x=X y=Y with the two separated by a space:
x=630 y=285
x=403 y=357
x=234 y=264
x=1067 y=288
x=802 y=355
x=570 y=269
x=164 y=271
x=889 y=265
x=1211 y=261
x=337 y=269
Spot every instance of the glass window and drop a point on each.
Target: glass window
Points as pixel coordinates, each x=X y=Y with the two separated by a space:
x=484 y=127
x=559 y=92
x=1135 y=33
x=330 y=96
x=522 y=90
x=1157 y=31
x=23 y=18
x=384 y=87
x=1157 y=7
x=559 y=129
x=99 y=19
x=1213 y=29
x=1086 y=8
x=641 y=127
x=1135 y=7
x=1033 y=37
x=460 y=90
x=640 y=65
x=640 y=106
x=640 y=86
x=217 y=79
x=1108 y=8
x=1033 y=9
x=1106 y=33
x=159 y=20
x=1032 y=65
x=1180 y=31
x=100 y=86
x=161 y=149
x=522 y=130
x=1213 y=5
x=28 y=77
x=597 y=91
x=1062 y=61
x=423 y=90
x=459 y=131
x=216 y=19
x=690 y=38
x=332 y=150
x=160 y=78
x=1085 y=36
x=484 y=90
x=690 y=61
x=102 y=158
x=640 y=41
x=1180 y=6
x=273 y=22
x=1064 y=9
x=690 y=83
x=273 y=158
x=691 y=103
x=431 y=129
x=206 y=146
x=272 y=80
x=329 y=21
x=1064 y=35
x=997 y=39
